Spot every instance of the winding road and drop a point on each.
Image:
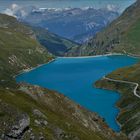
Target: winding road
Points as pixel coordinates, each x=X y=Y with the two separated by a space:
x=121 y=81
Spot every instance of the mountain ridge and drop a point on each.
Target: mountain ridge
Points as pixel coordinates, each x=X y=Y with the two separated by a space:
x=77 y=24
x=56 y=45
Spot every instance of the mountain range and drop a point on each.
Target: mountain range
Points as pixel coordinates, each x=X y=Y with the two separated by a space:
x=77 y=24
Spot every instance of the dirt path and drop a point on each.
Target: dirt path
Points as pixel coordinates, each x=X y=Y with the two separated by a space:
x=121 y=81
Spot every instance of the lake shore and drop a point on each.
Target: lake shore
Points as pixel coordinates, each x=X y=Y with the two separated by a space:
x=109 y=54
x=70 y=77
x=76 y=57
x=30 y=69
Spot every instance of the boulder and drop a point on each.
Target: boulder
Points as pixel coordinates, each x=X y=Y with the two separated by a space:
x=21 y=126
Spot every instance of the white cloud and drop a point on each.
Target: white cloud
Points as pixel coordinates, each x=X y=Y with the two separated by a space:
x=12 y=10
x=8 y=12
x=14 y=6
x=16 y=11
x=111 y=7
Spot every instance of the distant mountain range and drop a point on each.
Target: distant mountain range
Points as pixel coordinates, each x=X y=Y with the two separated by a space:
x=77 y=24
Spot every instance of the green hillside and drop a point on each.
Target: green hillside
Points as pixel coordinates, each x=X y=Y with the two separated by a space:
x=19 y=49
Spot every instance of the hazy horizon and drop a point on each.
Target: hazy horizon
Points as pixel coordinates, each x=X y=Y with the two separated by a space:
x=120 y=4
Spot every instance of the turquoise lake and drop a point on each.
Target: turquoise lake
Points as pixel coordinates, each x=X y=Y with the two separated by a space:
x=75 y=78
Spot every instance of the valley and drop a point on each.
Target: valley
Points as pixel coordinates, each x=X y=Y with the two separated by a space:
x=55 y=101
x=32 y=112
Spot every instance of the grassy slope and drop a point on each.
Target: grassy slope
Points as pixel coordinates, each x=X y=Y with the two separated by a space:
x=129 y=104
x=18 y=49
x=61 y=114
x=131 y=40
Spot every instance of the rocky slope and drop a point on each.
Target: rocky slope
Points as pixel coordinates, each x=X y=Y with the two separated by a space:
x=31 y=112
x=122 y=36
x=46 y=115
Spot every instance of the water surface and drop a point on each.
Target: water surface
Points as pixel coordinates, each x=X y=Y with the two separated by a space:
x=74 y=77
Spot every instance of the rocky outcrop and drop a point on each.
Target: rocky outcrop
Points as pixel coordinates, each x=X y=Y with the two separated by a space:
x=39 y=114
x=60 y=134
x=135 y=135
x=19 y=128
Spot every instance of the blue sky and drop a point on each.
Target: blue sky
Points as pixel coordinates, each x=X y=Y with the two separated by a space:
x=121 y=4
